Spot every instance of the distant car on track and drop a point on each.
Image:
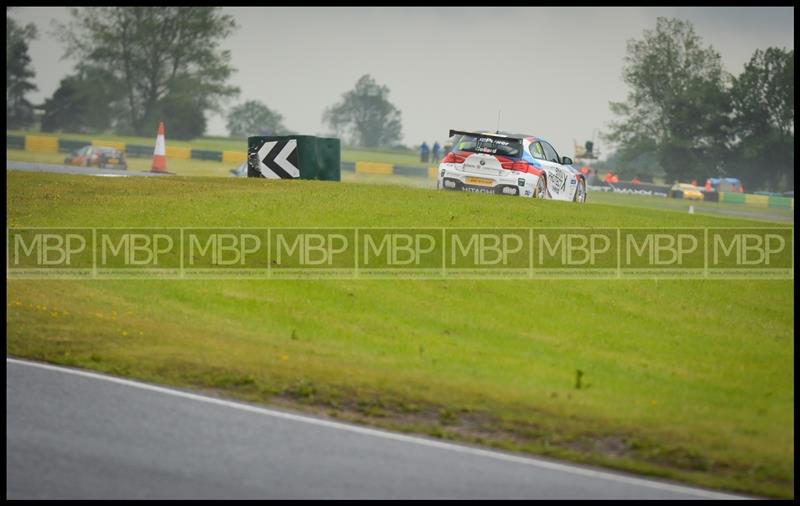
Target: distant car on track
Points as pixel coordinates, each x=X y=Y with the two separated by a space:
x=509 y=164
x=98 y=156
x=686 y=191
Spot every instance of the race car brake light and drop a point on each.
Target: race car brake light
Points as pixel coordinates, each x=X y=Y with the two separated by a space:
x=453 y=158
x=520 y=166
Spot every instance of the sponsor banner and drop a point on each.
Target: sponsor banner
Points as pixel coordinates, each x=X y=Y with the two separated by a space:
x=400 y=252
x=655 y=190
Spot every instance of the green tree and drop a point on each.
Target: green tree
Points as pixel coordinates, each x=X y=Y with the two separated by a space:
x=254 y=118
x=160 y=57
x=19 y=111
x=83 y=102
x=677 y=106
x=188 y=121
x=763 y=108
x=367 y=115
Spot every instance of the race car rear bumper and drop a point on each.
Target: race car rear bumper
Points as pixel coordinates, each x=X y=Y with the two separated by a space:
x=500 y=189
x=514 y=183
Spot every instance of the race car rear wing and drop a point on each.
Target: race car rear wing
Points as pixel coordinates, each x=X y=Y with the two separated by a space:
x=480 y=134
x=490 y=144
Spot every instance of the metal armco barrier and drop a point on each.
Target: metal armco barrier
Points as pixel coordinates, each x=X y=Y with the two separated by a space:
x=294 y=157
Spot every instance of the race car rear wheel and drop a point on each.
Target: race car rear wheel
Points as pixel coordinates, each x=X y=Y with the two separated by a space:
x=580 y=192
x=541 y=188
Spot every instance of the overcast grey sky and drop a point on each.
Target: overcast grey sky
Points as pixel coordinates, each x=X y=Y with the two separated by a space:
x=550 y=70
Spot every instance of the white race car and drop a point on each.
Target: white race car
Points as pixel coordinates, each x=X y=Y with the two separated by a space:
x=509 y=164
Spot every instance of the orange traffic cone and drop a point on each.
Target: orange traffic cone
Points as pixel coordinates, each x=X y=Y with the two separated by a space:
x=160 y=153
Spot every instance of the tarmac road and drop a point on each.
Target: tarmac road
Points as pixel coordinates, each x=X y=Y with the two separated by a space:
x=75 y=434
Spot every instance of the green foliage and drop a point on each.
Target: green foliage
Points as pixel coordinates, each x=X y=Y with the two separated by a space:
x=677 y=105
x=763 y=106
x=187 y=120
x=83 y=103
x=254 y=118
x=627 y=164
x=19 y=111
x=696 y=121
x=366 y=113
x=164 y=60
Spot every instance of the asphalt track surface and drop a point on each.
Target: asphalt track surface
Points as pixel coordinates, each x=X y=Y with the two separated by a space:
x=81 y=435
x=74 y=169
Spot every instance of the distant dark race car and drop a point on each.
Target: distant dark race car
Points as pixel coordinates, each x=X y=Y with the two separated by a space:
x=98 y=156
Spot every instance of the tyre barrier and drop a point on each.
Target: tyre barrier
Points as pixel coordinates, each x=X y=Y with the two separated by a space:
x=139 y=151
x=204 y=154
x=69 y=145
x=15 y=142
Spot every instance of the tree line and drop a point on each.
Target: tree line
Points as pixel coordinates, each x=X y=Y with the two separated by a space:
x=685 y=118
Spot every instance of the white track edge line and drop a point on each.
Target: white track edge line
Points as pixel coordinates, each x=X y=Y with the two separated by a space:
x=708 y=494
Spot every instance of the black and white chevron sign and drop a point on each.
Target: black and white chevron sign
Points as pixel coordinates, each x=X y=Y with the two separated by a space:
x=276 y=159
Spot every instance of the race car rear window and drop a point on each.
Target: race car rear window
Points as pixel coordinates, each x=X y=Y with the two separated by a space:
x=490 y=145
